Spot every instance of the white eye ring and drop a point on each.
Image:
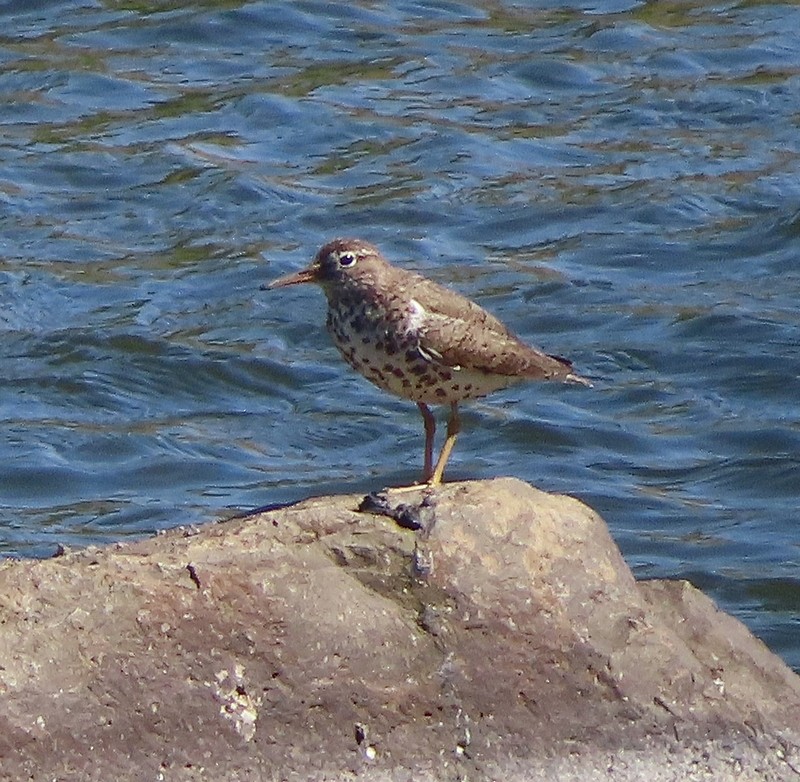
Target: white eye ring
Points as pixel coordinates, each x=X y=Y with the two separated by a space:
x=347 y=260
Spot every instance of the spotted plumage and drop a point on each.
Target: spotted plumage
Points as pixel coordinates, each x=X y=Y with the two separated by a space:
x=417 y=339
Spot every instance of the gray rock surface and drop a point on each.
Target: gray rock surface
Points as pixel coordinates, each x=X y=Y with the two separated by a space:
x=505 y=640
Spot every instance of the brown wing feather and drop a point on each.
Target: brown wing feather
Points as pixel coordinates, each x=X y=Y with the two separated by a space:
x=439 y=300
x=458 y=332
x=456 y=342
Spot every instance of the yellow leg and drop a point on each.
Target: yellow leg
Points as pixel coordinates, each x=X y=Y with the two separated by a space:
x=453 y=428
x=430 y=430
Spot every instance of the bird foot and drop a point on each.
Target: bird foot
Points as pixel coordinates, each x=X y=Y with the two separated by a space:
x=426 y=487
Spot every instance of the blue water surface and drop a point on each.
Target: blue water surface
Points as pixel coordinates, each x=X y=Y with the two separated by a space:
x=618 y=181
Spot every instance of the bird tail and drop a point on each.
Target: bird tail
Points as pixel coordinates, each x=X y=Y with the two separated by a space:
x=571 y=377
x=582 y=381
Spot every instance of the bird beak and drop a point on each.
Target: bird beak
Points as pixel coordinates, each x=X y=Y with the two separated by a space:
x=309 y=274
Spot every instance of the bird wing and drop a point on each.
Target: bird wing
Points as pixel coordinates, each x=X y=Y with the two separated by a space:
x=438 y=300
x=454 y=331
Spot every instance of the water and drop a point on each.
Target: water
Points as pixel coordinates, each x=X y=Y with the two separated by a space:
x=619 y=182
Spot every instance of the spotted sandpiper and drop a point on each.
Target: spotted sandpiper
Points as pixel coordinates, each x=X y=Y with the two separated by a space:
x=418 y=340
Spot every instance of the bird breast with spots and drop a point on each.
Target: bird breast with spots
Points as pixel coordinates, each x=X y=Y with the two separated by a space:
x=383 y=344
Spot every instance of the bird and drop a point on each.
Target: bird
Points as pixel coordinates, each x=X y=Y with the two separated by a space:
x=417 y=339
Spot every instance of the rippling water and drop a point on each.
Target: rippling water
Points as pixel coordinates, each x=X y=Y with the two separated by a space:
x=619 y=182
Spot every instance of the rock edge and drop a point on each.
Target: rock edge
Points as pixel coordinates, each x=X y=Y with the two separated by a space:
x=506 y=639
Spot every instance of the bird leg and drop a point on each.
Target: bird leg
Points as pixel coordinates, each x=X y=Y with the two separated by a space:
x=453 y=428
x=430 y=430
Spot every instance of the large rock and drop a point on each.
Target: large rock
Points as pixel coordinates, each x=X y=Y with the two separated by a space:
x=505 y=640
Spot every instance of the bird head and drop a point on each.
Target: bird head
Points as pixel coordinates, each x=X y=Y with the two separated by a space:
x=337 y=263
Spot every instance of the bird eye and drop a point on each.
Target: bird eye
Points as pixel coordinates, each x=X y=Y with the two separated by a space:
x=347 y=259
